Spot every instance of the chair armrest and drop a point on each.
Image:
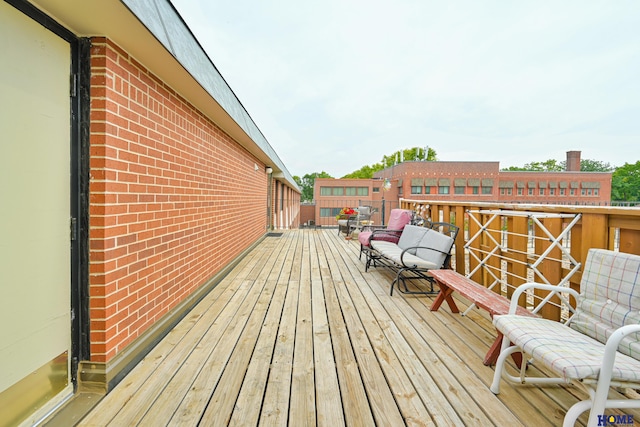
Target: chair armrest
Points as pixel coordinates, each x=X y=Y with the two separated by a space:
x=419 y=247
x=552 y=289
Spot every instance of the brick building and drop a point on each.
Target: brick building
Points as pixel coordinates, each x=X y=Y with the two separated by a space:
x=121 y=222
x=462 y=181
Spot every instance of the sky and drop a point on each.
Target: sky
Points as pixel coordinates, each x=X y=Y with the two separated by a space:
x=338 y=84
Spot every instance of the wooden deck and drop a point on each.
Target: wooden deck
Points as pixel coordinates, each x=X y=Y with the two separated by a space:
x=298 y=334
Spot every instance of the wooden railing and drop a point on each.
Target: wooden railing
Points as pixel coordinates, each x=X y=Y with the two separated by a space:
x=512 y=243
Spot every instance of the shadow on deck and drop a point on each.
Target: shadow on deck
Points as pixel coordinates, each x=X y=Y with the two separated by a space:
x=298 y=334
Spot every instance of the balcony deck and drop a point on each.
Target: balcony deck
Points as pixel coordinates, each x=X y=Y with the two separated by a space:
x=299 y=334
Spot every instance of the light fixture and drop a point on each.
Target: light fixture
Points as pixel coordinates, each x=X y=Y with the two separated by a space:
x=269 y=170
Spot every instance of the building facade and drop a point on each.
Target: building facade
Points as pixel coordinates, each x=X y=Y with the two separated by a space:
x=462 y=181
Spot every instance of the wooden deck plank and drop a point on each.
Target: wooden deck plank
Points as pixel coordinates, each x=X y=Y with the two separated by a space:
x=168 y=401
x=328 y=401
x=302 y=410
x=381 y=397
x=247 y=408
x=298 y=333
x=135 y=392
x=357 y=410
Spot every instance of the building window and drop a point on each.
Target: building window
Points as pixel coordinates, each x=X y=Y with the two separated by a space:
x=350 y=191
x=596 y=192
x=509 y=191
x=552 y=191
x=563 y=191
x=520 y=191
x=475 y=190
x=376 y=189
x=487 y=190
x=416 y=189
x=329 y=212
x=338 y=191
x=572 y=192
x=458 y=190
x=400 y=191
x=444 y=189
x=583 y=192
x=363 y=191
x=325 y=191
x=541 y=191
x=530 y=192
x=427 y=189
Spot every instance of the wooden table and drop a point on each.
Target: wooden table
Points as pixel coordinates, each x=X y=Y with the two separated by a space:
x=450 y=281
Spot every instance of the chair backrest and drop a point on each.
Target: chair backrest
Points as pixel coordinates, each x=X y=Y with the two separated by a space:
x=411 y=237
x=441 y=245
x=609 y=297
x=398 y=218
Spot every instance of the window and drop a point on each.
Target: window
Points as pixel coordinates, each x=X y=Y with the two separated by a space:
x=520 y=191
x=338 y=191
x=427 y=189
x=541 y=192
x=509 y=191
x=350 y=191
x=583 y=192
x=443 y=189
x=329 y=212
x=572 y=192
x=400 y=191
x=563 y=191
x=363 y=191
x=552 y=191
x=487 y=190
x=458 y=190
x=325 y=191
x=596 y=192
x=376 y=189
x=503 y=191
x=416 y=189
x=475 y=190
x=530 y=192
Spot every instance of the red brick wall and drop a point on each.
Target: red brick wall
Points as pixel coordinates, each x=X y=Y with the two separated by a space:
x=173 y=199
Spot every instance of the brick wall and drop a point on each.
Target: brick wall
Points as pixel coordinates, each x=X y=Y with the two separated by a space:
x=173 y=199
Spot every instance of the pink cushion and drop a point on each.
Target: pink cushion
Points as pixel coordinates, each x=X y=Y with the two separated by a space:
x=363 y=237
x=398 y=218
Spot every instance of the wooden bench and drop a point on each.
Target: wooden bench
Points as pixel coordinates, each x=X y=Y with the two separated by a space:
x=450 y=281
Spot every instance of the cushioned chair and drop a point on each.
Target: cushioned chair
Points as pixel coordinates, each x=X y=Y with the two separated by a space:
x=353 y=222
x=398 y=218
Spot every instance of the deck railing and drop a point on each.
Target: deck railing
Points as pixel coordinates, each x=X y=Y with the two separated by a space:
x=505 y=245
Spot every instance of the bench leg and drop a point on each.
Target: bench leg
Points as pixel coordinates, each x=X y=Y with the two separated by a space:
x=494 y=351
x=444 y=295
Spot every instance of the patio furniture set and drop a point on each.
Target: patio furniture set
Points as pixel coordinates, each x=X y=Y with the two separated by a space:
x=597 y=348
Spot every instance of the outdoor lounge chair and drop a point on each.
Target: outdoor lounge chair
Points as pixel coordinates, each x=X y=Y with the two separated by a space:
x=352 y=222
x=398 y=218
x=598 y=347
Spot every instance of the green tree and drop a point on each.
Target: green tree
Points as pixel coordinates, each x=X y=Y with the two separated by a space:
x=625 y=183
x=406 y=155
x=306 y=184
x=551 y=165
x=588 y=165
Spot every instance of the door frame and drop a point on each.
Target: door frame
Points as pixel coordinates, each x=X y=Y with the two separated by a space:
x=79 y=102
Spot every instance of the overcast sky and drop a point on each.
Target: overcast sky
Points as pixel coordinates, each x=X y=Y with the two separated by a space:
x=336 y=85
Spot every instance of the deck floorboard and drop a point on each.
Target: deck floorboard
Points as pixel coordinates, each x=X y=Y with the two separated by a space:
x=299 y=334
